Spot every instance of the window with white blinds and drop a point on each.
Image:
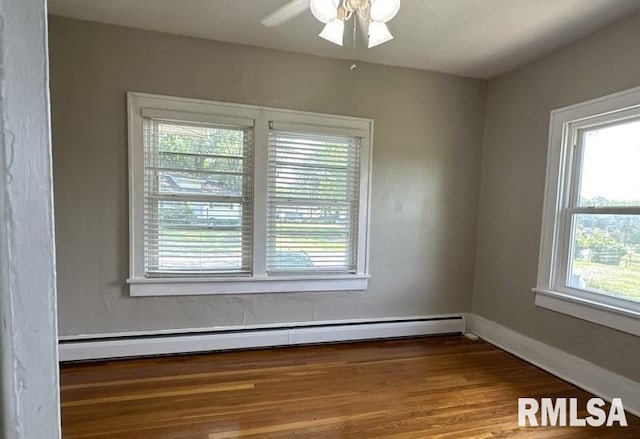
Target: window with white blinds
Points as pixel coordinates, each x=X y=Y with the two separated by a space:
x=313 y=197
x=227 y=198
x=198 y=200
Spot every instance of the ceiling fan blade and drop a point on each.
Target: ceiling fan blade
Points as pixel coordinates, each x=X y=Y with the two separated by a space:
x=285 y=13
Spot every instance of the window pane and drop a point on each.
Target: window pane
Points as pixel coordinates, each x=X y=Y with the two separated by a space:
x=311 y=237
x=194 y=236
x=606 y=255
x=611 y=158
x=196 y=158
x=313 y=203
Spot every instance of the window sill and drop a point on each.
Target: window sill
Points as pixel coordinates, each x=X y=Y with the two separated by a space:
x=144 y=287
x=624 y=320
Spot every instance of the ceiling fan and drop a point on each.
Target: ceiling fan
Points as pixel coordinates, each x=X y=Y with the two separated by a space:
x=334 y=13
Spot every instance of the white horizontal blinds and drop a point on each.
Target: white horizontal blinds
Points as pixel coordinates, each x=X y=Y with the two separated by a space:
x=313 y=191
x=198 y=211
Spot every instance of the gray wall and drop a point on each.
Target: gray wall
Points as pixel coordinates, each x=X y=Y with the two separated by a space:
x=426 y=167
x=512 y=189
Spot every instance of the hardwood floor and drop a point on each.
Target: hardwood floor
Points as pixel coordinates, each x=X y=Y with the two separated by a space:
x=439 y=387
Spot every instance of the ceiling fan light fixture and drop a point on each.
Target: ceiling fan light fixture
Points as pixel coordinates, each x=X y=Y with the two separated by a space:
x=378 y=33
x=325 y=11
x=374 y=13
x=333 y=31
x=383 y=10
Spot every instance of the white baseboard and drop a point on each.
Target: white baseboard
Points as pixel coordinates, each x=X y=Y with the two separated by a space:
x=87 y=349
x=594 y=379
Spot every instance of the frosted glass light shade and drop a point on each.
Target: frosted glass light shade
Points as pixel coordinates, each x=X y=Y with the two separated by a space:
x=383 y=10
x=378 y=33
x=334 y=32
x=325 y=11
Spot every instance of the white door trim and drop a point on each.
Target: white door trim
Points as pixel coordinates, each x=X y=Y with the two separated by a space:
x=28 y=354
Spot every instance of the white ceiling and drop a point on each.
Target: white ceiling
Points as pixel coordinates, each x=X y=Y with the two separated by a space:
x=476 y=38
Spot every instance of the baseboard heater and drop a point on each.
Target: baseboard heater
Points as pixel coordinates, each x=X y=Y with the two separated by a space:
x=255 y=337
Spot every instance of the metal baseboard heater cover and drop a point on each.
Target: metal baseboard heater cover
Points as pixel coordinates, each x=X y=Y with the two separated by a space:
x=122 y=346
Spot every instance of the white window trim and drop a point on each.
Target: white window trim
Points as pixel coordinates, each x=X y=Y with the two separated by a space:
x=550 y=291
x=259 y=117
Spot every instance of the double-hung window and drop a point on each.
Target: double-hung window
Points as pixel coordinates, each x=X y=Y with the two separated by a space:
x=590 y=247
x=198 y=199
x=229 y=198
x=313 y=198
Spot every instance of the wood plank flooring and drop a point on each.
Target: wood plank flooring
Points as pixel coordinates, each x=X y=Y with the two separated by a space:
x=438 y=387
